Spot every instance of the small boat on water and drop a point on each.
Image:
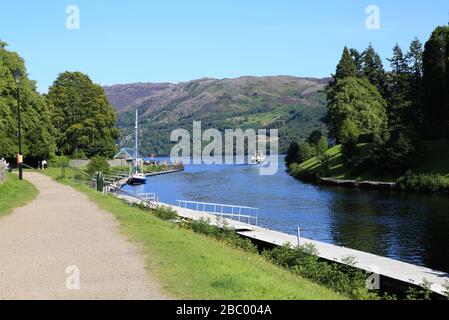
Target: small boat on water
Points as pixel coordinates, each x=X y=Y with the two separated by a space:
x=136 y=177
x=258 y=158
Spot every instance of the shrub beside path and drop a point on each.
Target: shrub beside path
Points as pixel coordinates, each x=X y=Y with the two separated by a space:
x=61 y=228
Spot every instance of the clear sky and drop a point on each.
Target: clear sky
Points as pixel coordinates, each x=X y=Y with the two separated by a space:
x=173 y=41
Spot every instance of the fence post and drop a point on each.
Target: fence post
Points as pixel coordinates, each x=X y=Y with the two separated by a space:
x=100 y=182
x=298 y=234
x=63 y=171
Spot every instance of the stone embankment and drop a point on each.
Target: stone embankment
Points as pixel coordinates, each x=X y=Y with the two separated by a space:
x=375 y=185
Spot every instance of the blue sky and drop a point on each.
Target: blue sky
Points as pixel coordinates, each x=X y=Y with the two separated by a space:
x=173 y=41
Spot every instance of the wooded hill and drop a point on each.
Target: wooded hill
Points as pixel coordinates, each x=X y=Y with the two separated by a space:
x=295 y=106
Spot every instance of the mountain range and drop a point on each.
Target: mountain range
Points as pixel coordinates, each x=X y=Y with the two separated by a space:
x=296 y=106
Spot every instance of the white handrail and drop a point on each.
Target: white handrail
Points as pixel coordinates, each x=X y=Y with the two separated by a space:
x=217 y=204
x=152 y=197
x=218 y=209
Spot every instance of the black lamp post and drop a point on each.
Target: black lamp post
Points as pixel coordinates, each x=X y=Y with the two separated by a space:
x=18 y=79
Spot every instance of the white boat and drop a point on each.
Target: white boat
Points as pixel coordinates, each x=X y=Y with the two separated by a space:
x=136 y=177
x=258 y=158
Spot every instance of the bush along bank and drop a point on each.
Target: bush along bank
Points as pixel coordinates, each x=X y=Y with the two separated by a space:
x=430 y=183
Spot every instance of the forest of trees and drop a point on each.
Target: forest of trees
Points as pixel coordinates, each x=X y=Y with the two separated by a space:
x=73 y=119
x=394 y=110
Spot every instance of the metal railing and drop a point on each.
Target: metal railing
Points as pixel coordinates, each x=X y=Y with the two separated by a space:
x=237 y=213
x=150 y=200
x=150 y=197
x=79 y=175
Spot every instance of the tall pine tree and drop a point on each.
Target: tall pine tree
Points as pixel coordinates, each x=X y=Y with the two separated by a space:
x=436 y=83
x=415 y=88
x=373 y=69
x=397 y=95
x=346 y=67
x=357 y=57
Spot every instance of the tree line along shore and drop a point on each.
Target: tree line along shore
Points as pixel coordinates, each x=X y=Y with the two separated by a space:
x=73 y=119
x=386 y=126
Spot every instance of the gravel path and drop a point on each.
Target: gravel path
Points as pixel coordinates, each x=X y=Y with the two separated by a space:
x=44 y=244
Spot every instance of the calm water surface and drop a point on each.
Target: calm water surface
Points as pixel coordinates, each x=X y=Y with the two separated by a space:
x=409 y=227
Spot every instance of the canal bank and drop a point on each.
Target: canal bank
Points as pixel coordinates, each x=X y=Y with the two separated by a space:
x=385 y=274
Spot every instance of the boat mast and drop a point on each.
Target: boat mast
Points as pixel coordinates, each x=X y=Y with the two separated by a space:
x=136 y=127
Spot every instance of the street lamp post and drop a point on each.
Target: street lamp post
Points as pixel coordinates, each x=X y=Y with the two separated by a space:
x=18 y=79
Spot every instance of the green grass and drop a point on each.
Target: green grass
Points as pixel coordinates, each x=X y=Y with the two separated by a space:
x=15 y=193
x=192 y=266
x=435 y=160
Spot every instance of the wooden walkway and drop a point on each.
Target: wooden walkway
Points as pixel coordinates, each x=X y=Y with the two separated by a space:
x=390 y=268
x=152 y=174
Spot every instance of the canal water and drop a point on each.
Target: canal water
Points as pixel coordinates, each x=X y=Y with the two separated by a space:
x=409 y=227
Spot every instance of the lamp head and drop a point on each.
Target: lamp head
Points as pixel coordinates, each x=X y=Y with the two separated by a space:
x=17 y=76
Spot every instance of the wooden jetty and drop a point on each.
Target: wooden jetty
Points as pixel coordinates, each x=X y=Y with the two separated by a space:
x=118 y=179
x=152 y=174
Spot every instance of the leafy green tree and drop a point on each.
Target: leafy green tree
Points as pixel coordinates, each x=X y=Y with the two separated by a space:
x=373 y=69
x=436 y=83
x=98 y=164
x=292 y=154
x=320 y=153
x=82 y=116
x=37 y=130
x=360 y=102
x=298 y=153
x=321 y=147
x=305 y=152
x=315 y=137
x=396 y=150
x=349 y=135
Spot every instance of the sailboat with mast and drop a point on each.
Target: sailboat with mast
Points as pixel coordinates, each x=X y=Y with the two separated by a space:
x=258 y=158
x=136 y=177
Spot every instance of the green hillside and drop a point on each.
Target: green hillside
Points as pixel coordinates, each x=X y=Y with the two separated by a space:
x=295 y=106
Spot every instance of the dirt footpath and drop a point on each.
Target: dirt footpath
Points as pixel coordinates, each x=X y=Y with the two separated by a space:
x=62 y=246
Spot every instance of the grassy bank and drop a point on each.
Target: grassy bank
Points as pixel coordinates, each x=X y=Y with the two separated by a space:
x=434 y=161
x=15 y=193
x=193 y=266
